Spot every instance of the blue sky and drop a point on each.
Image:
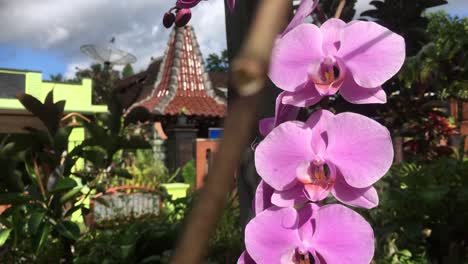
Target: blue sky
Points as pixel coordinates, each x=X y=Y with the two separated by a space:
x=49 y=62
x=45 y=35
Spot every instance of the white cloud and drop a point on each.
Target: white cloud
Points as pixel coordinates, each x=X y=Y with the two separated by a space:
x=63 y=25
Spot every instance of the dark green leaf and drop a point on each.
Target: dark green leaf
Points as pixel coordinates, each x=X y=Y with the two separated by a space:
x=64 y=184
x=48 y=113
x=72 y=210
x=41 y=236
x=49 y=100
x=121 y=173
x=4 y=234
x=35 y=221
x=70 y=194
x=134 y=143
x=69 y=230
x=14 y=198
x=31 y=103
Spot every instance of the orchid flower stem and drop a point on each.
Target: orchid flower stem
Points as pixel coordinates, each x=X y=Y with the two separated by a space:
x=339 y=9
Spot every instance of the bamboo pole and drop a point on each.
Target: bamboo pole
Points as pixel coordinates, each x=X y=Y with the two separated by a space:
x=249 y=75
x=340 y=8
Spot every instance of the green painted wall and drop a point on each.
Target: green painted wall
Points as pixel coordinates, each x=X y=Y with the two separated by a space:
x=78 y=97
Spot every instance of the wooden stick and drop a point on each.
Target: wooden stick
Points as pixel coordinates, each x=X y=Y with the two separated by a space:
x=249 y=75
x=339 y=9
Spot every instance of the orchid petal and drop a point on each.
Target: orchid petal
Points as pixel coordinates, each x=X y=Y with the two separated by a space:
x=304 y=97
x=306 y=222
x=279 y=154
x=360 y=197
x=289 y=197
x=292 y=56
x=356 y=94
x=371 y=52
x=318 y=122
x=317 y=192
x=265 y=125
x=360 y=148
x=263 y=197
x=304 y=10
x=331 y=32
x=272 y=235
x=342 y=236
x=284 y=112
x=245 y=258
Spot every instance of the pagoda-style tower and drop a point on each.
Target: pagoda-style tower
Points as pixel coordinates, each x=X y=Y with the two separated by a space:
x=177 y=91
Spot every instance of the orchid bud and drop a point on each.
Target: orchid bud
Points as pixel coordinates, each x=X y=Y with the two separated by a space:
x=168 y=19
x=183 y=17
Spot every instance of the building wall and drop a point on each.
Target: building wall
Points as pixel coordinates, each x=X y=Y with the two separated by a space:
x=78 y=96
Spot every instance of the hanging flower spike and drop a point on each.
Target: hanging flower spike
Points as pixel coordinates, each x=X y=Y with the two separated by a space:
x=306 y=7
x=187 y=3
x=231 y=5
x=344 y=154
x=330 y=234
x=355 y=58
x=183 y=16
x=169 y=19
x=283 y=113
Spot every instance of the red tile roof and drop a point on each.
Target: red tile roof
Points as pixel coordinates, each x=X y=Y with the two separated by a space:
x=182 y=85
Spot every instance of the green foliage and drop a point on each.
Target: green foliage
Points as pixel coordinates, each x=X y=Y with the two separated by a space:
x=145 y=170
x=127 y=71
x=153 y=240
x=189 y=173
x=41 y=187
x=442 y=63
x=103 y=81
x=217 y=63
x=435 y=73
x=56 y=77
x=420 y=217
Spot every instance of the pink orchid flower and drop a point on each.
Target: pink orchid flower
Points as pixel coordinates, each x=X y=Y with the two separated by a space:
x=344 y=154
x=283 y=113
x=331 y=234
x=355 y=58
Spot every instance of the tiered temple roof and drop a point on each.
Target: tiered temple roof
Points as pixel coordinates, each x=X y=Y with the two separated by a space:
x=181 y=86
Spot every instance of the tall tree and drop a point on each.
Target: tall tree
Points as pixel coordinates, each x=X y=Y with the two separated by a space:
x=56 y=77
x=217 y=63
x=127 y=71
x=103 y=81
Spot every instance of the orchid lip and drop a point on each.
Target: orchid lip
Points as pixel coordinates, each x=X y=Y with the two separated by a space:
x=316 y=179
x=327 y=76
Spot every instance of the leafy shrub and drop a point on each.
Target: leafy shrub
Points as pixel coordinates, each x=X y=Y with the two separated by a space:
x=421 y=218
